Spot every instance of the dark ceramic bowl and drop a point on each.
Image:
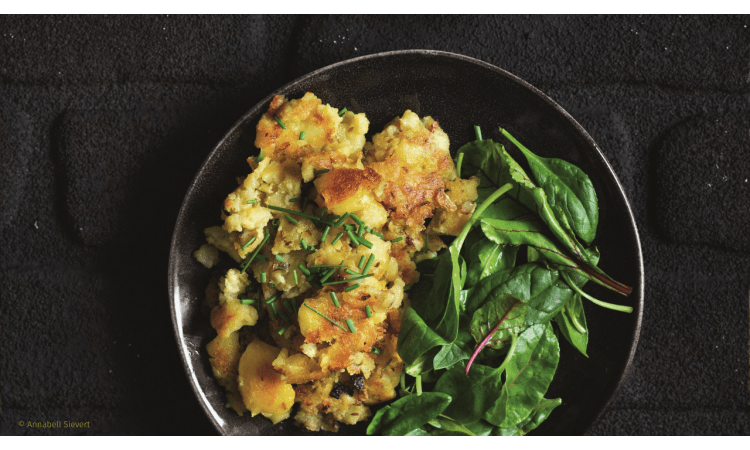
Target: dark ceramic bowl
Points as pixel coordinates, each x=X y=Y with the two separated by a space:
x=459 y=92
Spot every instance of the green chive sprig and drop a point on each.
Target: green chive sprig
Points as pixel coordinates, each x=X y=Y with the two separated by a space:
x=262 y=277
x=398 y=239
x=250 y=202
x=335 y=299
x=248 y=301
x=279 y=258
x=346 y=281
x=342 y=112
x=325 y=233
x=376 y=350
x=352 y=287
x=255 y=253
x=368 y=311
x=361 y=264
x=369 y=263
x=302 y=135
x=320 y=172
x=341 y=220
x=304 y=270
x=245 y=245
x=336 y=239
x=325 y=317
x=350 y=325
x=281 y=124
x=272 y=299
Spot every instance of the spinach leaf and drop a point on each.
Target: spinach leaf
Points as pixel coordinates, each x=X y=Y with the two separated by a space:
x=500 y=318
x=453 y=353
x=566 y=186
x=408 y=413
x=449 y=427
x=472 y=395
x=486 y=257
x=538 y=414
x=529 y=373
x=416 y=338
x=572 y=323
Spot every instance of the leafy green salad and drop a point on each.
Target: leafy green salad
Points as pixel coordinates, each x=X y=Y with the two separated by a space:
x=477 y=338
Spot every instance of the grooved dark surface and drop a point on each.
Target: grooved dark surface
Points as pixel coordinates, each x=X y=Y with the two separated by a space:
x=105 y=120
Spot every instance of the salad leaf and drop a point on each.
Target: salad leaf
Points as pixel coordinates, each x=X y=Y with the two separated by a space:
x=538 y=414
x=486 y=257
x=529 y=374
x=571 y=321
x=500 y=318
x=566 y=186
x=472 y=395
x=453 y=353
x=408 y=413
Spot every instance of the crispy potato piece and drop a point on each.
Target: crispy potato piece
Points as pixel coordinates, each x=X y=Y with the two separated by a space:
x=262 y=388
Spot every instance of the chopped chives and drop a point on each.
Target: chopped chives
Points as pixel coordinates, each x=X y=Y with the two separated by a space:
x=273 y=310
x=247 y=301
x=302 y=135
x=325 y=233
x=291 y=211
x=352 y=287
x=356 y=219
x=296 y=280
x=279 y=258
x=377 y=234
x=322 y=214
x=341 y=264
x=320 y=172
x=283 y=330
x=341 y=220
x=370 y=260
x=255 y=253
x=350 y=324
x=336 y=239
x=275 y=223
x=478 y=132
x=361 y=231
x=294 y=303
x=244 y=246
x=335 y=299
x=262 y=258
x=351 y=272
x=458 y=164
x=388 y=363
x=368 y=311
x=272 y=298
x=283 y=127
x=291 y=219
x=364 y=242
x=361 y=262
x=376 y=350
x=321 y=266
x=304 y=269
x=250 y=202
x=271 y=285
x=262 y=277
x=303 y=243
x=295 y=199
x=346 y=281
x=348 y=226
x=398 y=239
x=352 y=236
x=327 y=275
x=342 y=112
x=260 y=156
x=325 y=317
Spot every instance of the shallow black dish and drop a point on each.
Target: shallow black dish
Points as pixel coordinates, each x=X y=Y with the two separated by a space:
x=459 y=92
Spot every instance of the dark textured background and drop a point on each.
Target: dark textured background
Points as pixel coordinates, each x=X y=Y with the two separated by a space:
x=105 y=120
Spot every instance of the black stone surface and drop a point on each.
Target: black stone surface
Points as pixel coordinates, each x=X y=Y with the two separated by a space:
x=104 y=121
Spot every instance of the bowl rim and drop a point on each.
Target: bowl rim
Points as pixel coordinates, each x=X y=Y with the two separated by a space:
x=172 y=273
